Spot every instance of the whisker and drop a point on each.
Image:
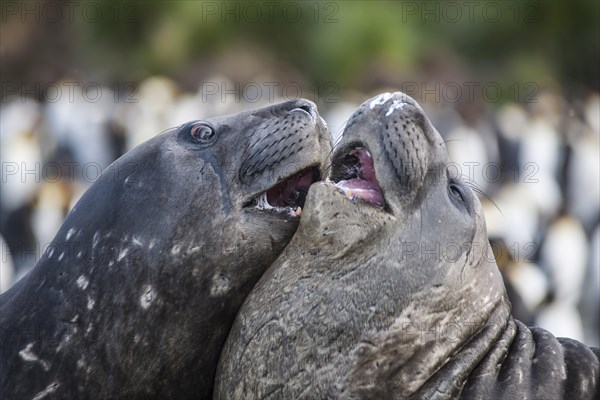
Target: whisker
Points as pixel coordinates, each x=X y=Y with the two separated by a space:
x=341 y=132
x=482 y=193
x=327 y=169
x=451 y=140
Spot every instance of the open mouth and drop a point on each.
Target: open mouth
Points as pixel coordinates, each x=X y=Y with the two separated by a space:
x=354 y=175
x=289 y=195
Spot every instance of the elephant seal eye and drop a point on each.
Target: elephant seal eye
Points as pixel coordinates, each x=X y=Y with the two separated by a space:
x=456 y=192
x=202 y=133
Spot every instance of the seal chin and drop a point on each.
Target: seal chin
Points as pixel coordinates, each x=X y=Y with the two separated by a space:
x=353 y=173
x=288 y=196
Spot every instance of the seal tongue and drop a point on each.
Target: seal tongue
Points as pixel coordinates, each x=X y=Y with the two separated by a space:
x=361 y=182
x=365 y=190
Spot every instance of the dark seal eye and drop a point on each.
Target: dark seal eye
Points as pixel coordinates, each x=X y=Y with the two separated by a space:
x=202 y=133
x=456 y=192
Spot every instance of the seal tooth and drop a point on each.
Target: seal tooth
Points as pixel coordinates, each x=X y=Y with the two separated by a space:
x=345 y=191
x=262 y=203
x=294 y=212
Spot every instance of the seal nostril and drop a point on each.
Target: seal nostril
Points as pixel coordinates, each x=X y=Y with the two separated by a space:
x=307 y=109
x=304 y=107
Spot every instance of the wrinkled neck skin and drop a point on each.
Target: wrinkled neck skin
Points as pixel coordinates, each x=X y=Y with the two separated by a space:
x=417 y=306
x=432 y=329
x=380 y=312
x=443 y=333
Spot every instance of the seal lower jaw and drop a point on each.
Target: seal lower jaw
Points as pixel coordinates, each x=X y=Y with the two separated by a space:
x=287 y=197
x=353 y=173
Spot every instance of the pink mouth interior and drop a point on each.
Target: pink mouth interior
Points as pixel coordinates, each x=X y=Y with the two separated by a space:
x=291 y=192
x=364 y=185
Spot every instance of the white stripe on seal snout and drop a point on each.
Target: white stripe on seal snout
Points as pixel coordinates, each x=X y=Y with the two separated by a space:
x=396 y=104
x=379 y=100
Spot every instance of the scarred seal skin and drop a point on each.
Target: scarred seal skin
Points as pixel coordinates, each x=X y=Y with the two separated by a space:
x=135 y=297
x=389 y=288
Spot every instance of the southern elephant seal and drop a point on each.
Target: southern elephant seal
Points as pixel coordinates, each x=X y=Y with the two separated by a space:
x=389 y=288
x=136 y=295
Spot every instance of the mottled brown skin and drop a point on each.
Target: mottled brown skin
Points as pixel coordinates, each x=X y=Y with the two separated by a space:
x=399 y=302
x=136 y=296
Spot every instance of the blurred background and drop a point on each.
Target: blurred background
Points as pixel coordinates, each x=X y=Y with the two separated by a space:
x=512 y=86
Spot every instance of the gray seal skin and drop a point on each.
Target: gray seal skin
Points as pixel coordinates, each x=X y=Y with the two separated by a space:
x=137 y=294
x=389 y=288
